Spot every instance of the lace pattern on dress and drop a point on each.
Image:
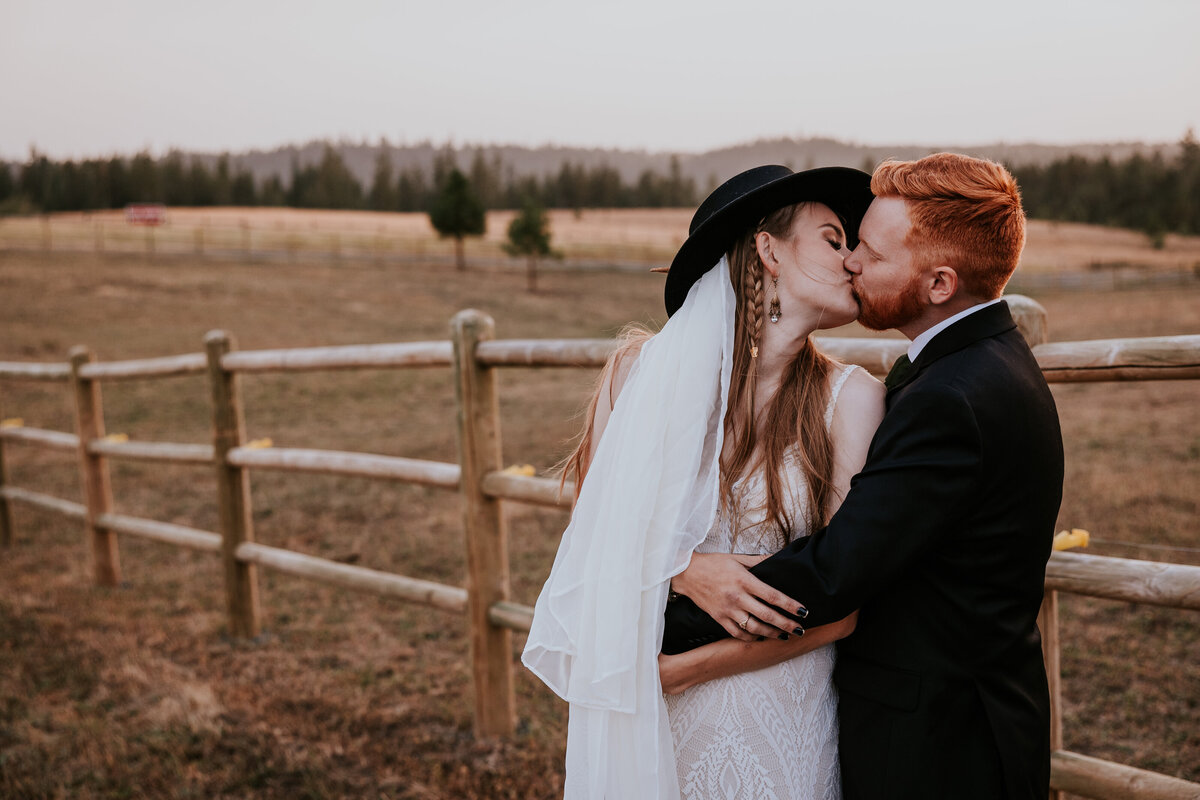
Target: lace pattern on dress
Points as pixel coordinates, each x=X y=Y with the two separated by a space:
x=769 y=734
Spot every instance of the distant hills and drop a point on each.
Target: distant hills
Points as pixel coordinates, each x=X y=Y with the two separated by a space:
x=707 y=168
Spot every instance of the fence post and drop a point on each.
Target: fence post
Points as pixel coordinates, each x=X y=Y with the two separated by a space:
x=1051 y=652
x=1030 y=317
x=483 y=522
x=97 y=490
x=233 y=491
x=6 y=520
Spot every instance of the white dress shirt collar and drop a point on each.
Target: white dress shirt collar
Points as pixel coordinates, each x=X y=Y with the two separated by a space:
x=923 y=338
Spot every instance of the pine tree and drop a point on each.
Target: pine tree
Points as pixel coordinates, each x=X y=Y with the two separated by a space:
x=330 y=184
x=243 y=192
x=485 y=178
x=223 y=182
x=412 y=190
x=529 y=236
x=458 y=213
x=445 y=161
x=200 y=181
x=272 y=192
x=12 y=201
x=120 y=192
x=7 y=185
x=144 y=184
x=383 y=192
x=176 y=187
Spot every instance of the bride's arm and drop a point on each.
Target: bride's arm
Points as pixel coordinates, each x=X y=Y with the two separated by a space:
x=732 y=657
x=616 y=372
x=721 y=585
x=856 y=416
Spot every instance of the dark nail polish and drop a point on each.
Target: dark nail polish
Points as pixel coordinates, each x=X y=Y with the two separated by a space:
x=798 y=631
x=783 y=636
x=802 y=612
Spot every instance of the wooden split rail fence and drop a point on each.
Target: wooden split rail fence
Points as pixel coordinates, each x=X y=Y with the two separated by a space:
x=475 y=356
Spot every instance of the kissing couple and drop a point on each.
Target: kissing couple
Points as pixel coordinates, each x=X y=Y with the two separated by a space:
x=783 y=578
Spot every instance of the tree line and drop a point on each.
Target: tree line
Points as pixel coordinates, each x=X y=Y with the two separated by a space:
x=1153 y=194
x=42 y=185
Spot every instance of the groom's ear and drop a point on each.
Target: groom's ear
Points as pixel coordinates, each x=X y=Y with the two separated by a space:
x=944 y=286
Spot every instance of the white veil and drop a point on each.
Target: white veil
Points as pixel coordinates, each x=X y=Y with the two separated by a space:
x=649 y=500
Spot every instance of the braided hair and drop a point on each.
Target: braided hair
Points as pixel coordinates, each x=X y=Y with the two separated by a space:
x=753 y=441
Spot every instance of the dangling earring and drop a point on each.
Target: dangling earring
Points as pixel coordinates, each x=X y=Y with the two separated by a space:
x=774 y=308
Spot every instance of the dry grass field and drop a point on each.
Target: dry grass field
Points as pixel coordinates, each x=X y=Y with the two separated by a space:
x=632 y=236
x=138 y=692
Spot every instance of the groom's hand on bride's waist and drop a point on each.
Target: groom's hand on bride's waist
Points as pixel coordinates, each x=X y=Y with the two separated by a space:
x=719 y=596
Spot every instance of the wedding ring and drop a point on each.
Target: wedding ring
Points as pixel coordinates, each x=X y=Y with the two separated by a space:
x=743 y=625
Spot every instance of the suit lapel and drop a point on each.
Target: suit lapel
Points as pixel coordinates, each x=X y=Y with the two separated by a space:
x=982 y=324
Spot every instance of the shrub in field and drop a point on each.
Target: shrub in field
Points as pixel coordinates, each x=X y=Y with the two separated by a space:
x=457 y=212
x=529 y=236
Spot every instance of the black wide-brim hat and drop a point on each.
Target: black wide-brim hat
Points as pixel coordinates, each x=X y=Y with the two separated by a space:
x=741 y=202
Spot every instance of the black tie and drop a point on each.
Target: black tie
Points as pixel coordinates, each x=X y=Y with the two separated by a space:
x=899 y=372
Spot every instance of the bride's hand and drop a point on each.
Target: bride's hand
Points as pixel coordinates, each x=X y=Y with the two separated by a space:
x=723 y=587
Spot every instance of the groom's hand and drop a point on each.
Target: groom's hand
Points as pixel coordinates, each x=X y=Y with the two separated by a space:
x=723 y=587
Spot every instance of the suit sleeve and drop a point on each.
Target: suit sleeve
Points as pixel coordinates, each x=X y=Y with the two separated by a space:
x=921 y=472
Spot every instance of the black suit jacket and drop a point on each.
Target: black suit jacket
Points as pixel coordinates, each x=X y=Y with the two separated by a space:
x=942 y=545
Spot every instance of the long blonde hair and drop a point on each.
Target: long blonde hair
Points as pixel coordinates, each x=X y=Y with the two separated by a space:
x=798 y=405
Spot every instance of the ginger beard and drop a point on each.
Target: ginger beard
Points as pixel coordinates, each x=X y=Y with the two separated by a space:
x=880 y=313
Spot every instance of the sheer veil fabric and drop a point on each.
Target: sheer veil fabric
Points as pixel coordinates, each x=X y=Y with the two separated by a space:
x=650 y=499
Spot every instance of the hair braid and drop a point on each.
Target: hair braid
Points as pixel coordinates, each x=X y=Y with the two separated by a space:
x=754 y=297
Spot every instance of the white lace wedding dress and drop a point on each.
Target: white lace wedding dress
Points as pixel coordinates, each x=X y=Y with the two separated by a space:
x=769 y=734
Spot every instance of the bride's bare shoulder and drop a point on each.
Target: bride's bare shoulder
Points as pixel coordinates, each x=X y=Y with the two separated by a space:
x=620 y=363
x=860 y=402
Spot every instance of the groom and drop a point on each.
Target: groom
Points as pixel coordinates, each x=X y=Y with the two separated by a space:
x=943 y=538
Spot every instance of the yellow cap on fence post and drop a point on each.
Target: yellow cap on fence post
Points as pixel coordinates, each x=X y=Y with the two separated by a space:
x=1066 y=540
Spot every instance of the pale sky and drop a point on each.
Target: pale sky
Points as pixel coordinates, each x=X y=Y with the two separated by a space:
x=86 y=78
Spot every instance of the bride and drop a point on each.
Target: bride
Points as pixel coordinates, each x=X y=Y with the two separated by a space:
x=727 y=431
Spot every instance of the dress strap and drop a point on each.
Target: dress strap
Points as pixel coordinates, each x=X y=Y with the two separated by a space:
x=847 y=369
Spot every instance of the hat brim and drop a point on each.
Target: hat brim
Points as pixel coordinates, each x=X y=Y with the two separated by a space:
x=845 y=190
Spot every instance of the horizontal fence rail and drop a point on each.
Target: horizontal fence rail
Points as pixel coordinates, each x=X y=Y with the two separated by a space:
x=1151 y=582
x=527 y=489
x=137 y=369
x=16 y=370
x=44 y=501
x=545 y=353
x=1095 y=777
x=415 y=354
x=51 y=440
x=153 y=451
x=1147 y=358
x=1151 y=358
x=335 y=462
x=165 y=532
x=474 y=355
x=450 y=598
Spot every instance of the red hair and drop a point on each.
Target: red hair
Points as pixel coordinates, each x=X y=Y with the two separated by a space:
x=965 y=213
